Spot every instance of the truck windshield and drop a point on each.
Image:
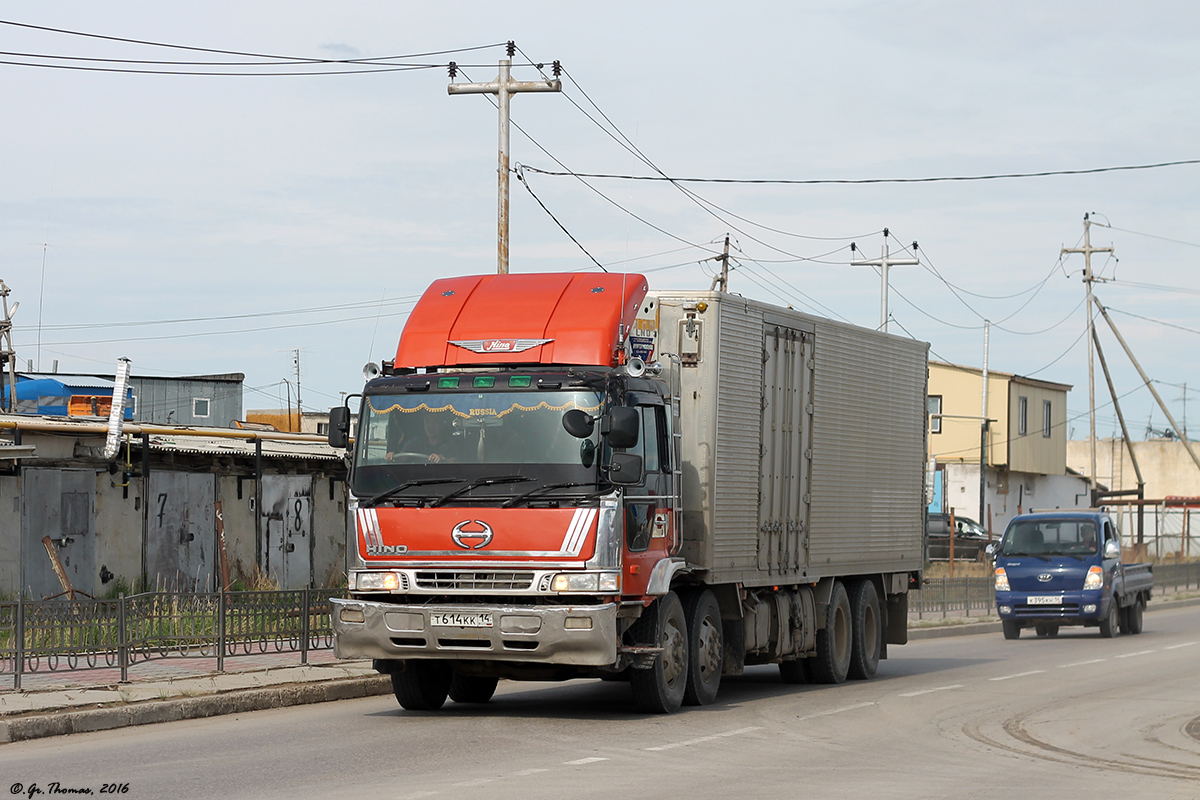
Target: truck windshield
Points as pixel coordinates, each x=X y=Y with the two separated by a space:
x=1051 y=537
x=472 y=435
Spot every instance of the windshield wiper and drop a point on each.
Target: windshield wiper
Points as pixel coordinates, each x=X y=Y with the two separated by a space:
x=395 y=490
x=475 y=484
x=550 y=487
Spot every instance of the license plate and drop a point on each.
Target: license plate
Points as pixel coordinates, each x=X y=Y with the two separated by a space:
x=1044 y=600
x=454 y=620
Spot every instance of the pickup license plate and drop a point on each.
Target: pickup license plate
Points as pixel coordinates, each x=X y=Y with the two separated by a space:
x=455 y=620
x=1044 y=600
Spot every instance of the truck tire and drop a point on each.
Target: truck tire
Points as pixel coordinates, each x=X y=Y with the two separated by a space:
x=1110 y=626
x=422 y=685
x=1012 y=630
x=834 y=648
x=795 y=672
x=704 y=627
x=866 y=634
x=1134 y=616
x=660 y=689
x=472 y=688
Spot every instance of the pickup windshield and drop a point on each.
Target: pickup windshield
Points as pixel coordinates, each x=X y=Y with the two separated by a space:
x=1051 y=537
x=474 y=436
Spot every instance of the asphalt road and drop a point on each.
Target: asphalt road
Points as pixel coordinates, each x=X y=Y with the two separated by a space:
x=971 y=716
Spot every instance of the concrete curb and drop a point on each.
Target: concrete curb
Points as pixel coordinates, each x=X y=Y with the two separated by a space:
x=59 y=723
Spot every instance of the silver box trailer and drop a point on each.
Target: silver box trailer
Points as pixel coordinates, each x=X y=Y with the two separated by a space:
x=803 y=446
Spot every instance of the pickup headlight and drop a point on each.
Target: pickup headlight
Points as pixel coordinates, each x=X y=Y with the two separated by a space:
x=1001 y=580
x=376 y=581
x=603 y=582
x=1094 y=579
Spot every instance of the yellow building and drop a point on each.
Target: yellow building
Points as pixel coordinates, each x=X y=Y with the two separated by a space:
x=1025 y=445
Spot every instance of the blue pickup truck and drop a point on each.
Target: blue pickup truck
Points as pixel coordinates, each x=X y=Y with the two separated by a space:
x=1064 y=568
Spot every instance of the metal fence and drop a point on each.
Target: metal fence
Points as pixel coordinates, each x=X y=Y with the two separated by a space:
x=62 y=635
x=965 y=597
x=944 y=597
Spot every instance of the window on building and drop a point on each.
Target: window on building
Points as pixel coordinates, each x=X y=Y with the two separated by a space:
x=1022 y=416
x=200 y=407
x=1046 y=419
x=322 y=428
x=934 y=408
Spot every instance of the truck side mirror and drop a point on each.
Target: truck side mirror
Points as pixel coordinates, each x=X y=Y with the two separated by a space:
x=339 y=427
x=626 y=469
x=1112 y=549
x=622 y=427
x=578 y=423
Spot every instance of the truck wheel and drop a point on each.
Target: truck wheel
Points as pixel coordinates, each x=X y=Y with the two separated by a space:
x=796 y=672
x=1134 y=613
x=422 y=685
x=1110 y=626
x=472 y=688
x=704 y=626
x=659 y=690
x=1011 y=629
x=832 y=663
x=866 y=631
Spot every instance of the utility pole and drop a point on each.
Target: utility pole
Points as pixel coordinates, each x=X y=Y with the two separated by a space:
x=983 y=431
x=884 y=262
x=8 y=356
x=504 y=87
x=722 y=280
x=1087 y=251
x=299 y=408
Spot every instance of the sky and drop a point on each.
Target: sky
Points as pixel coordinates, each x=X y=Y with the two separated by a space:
x=202 y=224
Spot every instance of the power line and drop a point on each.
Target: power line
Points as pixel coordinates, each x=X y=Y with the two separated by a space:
x=858 y=181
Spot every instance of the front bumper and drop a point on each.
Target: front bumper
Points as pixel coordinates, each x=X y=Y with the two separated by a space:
x=527 y=634
x=1075 y=608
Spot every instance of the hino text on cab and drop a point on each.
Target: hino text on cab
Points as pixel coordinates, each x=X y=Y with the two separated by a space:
x=569 y=476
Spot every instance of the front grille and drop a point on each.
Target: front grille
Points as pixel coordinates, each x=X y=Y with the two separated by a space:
x=1063 y=610
x=474 y=581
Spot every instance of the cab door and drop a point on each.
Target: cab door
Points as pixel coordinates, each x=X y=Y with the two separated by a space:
x=649 y=522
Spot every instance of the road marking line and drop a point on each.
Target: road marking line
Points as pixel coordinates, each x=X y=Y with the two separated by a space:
x=1177 y=646
x=938 y=689
x=702 y=739
x=1081 y=663
x=475 y=782
x=835 y=711
x=1138 y=653
x=582 y=761
x=417 y=795
x=533 y=771
x=1018 y=675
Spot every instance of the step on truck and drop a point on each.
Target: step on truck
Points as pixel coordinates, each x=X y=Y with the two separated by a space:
x=567 y=476
x=1061 y=568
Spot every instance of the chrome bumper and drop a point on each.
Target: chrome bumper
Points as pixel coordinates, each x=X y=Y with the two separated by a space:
x=530 y=634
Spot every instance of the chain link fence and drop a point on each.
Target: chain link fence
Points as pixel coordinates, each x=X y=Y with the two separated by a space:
x=63 y=635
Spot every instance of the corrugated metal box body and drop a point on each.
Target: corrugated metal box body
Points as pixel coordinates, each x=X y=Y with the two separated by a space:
x=803 y=441
x=176 y=401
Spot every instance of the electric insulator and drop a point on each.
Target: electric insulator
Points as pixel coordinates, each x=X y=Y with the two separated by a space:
x=512 y=49
x=557 y=68
x=453 y=70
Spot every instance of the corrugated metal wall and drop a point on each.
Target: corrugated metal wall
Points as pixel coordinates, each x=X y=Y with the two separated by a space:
x=172 y=401
x=759 y=482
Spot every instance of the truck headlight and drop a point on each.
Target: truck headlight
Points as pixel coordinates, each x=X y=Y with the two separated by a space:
x=1001 y=580
x=1094 y=579
x=606 y=582
x=376 y=581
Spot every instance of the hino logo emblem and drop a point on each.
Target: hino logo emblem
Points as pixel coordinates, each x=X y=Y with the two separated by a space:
x=471 y=540
x=1045 y=577
x=499 y=345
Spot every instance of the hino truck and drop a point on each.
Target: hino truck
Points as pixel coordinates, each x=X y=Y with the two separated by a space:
x=568 y=476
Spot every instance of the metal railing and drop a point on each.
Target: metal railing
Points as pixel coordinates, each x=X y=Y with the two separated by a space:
x=965 y=597
x=63 y=635
x=944 y=597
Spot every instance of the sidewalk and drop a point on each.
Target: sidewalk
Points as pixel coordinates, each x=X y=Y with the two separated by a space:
x=170 y=689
